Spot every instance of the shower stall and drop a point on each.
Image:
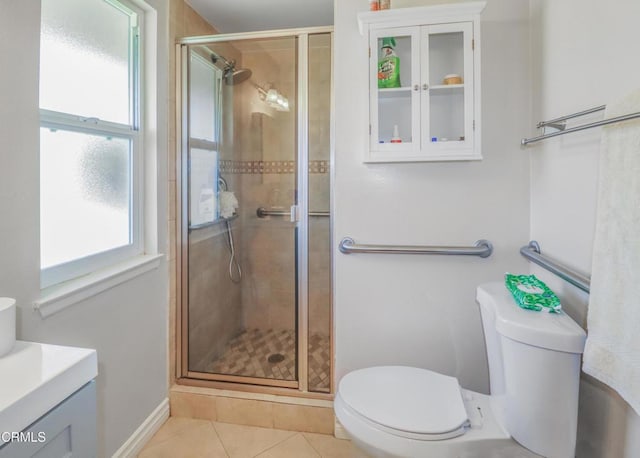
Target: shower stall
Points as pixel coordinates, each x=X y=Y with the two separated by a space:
x=254 y=209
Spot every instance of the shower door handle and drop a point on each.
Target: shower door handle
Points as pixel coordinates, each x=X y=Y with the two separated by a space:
x=294 y=214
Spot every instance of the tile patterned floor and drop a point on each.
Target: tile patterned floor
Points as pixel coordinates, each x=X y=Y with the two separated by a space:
x=319 y=363
x=248 y=355
x=187 y=437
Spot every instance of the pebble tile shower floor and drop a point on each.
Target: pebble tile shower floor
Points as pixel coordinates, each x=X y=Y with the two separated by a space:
x=248 y=354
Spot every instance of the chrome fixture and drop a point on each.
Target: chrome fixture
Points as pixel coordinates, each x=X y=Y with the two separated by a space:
x=262 y=212
x=482 y=248
x=532 y=253
x=222 y=184
x=560 y=124
x=233 y=261
x=272 y=97
x=230 y=73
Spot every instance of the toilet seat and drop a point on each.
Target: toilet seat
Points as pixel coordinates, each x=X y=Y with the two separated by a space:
x=406 y=401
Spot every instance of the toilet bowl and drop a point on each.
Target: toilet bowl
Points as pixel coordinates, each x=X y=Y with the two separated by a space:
x=383 y=409
x=398 y=411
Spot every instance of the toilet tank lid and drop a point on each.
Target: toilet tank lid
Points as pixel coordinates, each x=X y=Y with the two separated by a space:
x=554 y=331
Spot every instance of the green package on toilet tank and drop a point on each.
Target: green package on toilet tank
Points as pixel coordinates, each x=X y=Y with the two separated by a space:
x=388 y=65
x=532 y=293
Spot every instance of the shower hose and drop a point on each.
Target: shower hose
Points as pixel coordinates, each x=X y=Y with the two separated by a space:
x=234 y=273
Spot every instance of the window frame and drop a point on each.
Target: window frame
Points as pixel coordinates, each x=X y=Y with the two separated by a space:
x=134 y=132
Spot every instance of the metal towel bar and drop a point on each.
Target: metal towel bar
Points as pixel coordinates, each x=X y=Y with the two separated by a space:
x=559 y=123
x=532 y=253
x=482 y=248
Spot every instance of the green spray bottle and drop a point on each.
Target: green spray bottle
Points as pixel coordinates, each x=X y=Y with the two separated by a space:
x=388 y=65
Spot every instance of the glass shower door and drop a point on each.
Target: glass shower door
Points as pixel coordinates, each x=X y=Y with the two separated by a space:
x=242 y=184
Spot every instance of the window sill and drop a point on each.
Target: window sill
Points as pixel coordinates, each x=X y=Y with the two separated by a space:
x=58 y=297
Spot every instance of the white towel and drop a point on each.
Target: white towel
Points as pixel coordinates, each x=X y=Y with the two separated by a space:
x=612 y=352
x=228 y=204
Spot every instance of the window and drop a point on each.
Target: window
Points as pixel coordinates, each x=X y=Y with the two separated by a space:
x=90 y=141
x=205 y=87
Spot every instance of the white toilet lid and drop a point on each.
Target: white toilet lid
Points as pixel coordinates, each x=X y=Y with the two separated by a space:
x=406 y=399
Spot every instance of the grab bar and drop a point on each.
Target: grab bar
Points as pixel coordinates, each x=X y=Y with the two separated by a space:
x=532 y=253
x=482 y=248
x=558 y=123
x=263 y=213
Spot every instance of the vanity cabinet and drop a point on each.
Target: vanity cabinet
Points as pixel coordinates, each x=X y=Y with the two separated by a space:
x=69 y=429
x=433 y=112
x=48 y=401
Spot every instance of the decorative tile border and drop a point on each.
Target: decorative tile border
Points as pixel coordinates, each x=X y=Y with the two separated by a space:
x=269 y=167
x=318 y=166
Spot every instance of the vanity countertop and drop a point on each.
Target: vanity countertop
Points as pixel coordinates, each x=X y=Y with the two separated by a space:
x=35 y=377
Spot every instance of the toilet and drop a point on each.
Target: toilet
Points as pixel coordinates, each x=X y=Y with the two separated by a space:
x=534 y=370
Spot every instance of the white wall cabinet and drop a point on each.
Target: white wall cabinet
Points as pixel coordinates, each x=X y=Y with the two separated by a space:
x=437 y=118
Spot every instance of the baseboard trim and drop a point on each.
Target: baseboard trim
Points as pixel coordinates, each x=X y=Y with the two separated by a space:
x=338 y=430
x=148 y=428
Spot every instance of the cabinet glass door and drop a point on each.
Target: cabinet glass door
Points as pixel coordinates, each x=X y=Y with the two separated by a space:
x=447 y=95
x=395 y=102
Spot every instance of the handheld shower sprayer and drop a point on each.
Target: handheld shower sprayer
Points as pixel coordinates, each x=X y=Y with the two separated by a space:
x=235 y=271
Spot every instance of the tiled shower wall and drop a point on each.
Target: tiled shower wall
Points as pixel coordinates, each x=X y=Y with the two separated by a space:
x=268 y=180
x=215 y=313
x=319 y=184
x=268 y=293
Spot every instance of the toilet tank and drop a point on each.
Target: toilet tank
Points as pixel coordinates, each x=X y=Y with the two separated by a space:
x=534 y=371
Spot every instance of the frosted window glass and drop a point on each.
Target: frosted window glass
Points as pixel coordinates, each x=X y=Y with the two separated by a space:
x=84 y=59
x=203 y=185
x=202 y=99
x=85 y=195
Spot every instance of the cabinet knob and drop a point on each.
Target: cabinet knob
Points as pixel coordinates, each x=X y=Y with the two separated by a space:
x=425 y=86
x=416 y=87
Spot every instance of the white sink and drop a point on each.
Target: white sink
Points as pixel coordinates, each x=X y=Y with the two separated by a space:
x=36 y=377
x=7 y=324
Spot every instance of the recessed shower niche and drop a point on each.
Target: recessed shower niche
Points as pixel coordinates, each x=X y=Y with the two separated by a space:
x=254 y=210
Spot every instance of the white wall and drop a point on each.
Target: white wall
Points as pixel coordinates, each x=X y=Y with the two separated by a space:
x=126 y=324
x=582 y=56
x=420 y=310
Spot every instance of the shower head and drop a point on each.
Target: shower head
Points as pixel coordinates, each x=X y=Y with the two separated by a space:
x=231 y=75
x=237 y=76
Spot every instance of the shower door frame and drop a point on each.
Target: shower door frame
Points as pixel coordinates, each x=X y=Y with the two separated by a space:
x=247 y=383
